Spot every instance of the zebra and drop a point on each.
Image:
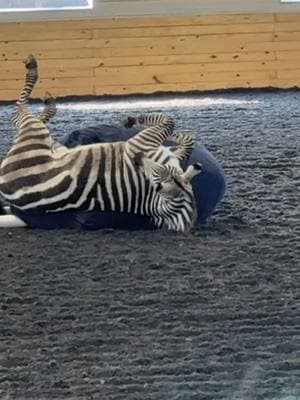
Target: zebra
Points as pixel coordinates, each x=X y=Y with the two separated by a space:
x=118 y=176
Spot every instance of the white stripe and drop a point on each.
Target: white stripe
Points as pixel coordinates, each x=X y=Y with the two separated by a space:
x=135 y=182
x=127 y=184
x=107 y=178
x=119 y=187
x=100 y=197
x=92 y=204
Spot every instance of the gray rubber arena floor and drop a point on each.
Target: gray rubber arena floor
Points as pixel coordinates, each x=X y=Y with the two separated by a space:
x=211 y=315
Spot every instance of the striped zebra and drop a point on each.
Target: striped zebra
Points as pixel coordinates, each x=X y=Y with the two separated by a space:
x=118 y=176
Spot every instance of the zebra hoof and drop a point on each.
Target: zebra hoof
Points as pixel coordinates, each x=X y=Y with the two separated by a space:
x=30 y=62
x=128 y=122
x=48 y=99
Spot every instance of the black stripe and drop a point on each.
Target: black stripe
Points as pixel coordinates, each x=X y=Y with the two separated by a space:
x=28 y=147
x=158 y=155
x=45 y=194
x=132 y=187
x=122 y=180
x=101 y=179
x=154 y=206
x=113 y=172
x=137 y=147
x=27 y=122
x=148 y=188
x=30 y=128
x=41 y=137
x=27 y=163
x=179 y=184
x=140 y=180
x=166 y=160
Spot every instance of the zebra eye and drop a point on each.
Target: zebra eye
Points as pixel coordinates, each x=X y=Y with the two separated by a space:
x=159 y=187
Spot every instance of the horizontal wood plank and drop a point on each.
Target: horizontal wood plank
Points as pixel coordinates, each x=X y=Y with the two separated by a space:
x=136 y=22
x=175 y=75
x=288 y=55
x=213 y=58
x=184 y=87
x=60 y=54
x=287 y=36
x=44 y=35
x=182 y=30
x=286 y=17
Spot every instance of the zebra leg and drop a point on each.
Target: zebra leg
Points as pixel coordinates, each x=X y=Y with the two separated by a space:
x=30 y=81
x=48 y=112
x=149 y=139
x=32 y=135
x=185 y=145
x=49 y=108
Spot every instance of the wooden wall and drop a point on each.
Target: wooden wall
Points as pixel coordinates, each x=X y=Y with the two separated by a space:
x=149 y=54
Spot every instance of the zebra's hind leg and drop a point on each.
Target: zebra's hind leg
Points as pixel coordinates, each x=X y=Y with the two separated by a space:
x=44 y=116
x=30 y=81
x=49 y=108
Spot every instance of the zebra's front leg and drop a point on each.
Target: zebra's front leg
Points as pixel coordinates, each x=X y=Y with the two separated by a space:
x=185 y=142
x=185 y=145
x=160 y=128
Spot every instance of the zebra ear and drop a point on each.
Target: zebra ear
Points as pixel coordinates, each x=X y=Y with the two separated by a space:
x=192 y=171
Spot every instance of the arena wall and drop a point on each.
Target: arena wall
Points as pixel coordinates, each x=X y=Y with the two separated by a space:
x=124 y=55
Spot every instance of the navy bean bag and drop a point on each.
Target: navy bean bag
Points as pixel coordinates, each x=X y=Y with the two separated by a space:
x=209 y=188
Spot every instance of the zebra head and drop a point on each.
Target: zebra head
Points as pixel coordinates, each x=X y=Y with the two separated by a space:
x=174 y=207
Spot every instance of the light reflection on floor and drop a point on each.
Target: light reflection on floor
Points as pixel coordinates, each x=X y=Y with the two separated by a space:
x=155 y=103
